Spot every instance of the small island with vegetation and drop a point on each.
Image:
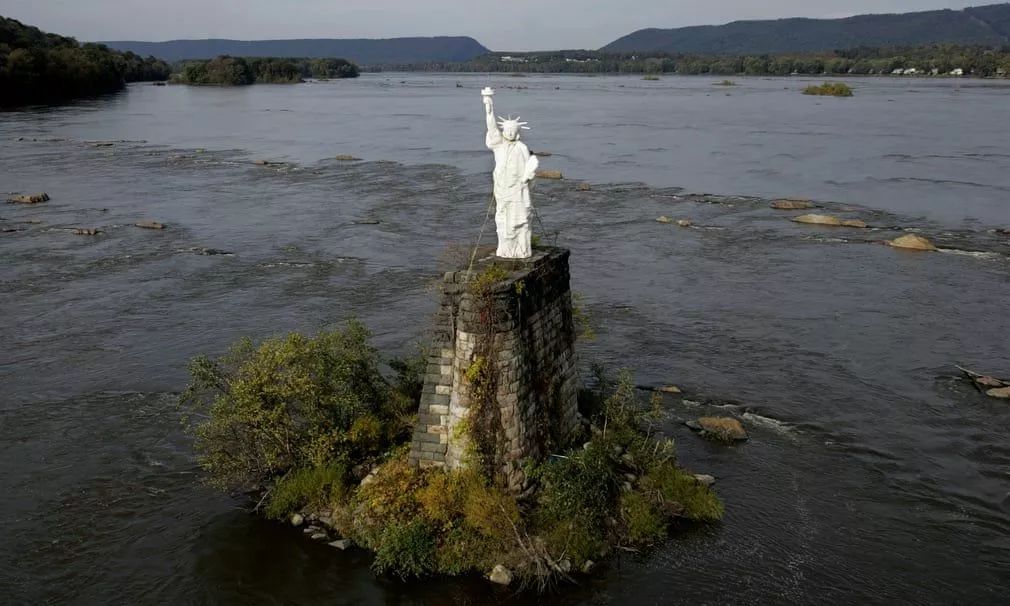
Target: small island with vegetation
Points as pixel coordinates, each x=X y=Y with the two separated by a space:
x=240 y=71
x=316 y=435
x=38 y=67
x=829 y=89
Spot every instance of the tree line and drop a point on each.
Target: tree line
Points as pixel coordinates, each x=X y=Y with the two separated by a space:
x=979 y=61
x=39 y=67
x=239 y=71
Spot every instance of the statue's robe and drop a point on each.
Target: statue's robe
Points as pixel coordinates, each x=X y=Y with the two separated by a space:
x=514 y=168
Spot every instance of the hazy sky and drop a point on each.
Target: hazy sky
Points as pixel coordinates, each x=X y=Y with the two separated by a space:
x=504 y=25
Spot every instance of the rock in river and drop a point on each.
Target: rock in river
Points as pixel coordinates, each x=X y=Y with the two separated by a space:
x=297 y=520
x=29 y=198
x=549 y=174
x=726 y=429
x=1002 y=393
x=818 y=220
x=346 y=158
x=786 y=204
x=704 y=478
x=150 y=225
x=912 y=242
x=342 y=544
x=664 y=219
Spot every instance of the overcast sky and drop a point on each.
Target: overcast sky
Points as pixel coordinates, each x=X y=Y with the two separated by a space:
x=504 y=25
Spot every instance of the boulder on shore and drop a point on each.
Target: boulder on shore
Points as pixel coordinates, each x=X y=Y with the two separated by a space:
x=912 y=242
x=500 y=575
x=29 y=198
x=549 y=174
x=786 y=204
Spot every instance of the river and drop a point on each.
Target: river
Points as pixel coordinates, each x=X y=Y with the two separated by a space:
x=875 y=473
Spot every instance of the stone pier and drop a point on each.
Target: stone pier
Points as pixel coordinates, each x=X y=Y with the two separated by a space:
x=501 y=386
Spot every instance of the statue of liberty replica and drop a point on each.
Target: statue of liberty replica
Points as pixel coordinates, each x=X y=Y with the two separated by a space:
x=515 y=168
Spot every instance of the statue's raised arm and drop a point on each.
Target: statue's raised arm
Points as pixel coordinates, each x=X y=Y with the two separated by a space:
x=493 y=134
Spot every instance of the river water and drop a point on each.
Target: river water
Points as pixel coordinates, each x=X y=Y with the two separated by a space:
x=874 y=473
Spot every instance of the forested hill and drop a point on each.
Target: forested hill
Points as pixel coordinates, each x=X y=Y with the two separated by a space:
x=362 y=52
x=38 y=67
x=983 y=25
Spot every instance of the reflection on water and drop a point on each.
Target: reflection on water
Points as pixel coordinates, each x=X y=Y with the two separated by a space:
x=874 y=473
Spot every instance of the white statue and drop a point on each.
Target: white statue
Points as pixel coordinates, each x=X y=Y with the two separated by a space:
x=514 y=169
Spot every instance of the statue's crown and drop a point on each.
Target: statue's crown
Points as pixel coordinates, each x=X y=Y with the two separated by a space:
x=510 y=121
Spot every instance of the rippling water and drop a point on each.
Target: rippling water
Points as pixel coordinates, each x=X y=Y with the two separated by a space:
x=874 y=473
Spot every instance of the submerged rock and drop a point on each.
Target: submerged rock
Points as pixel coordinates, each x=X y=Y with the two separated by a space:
x=150 y=225
x=818 y=220
x=704 y=478
x=912 y=242
x=549 y=174
x=988 y=381
x=500 y=575
x=346 y=158
x=87 y=231
x=1002 y=393
x=29 y=198
x=583 y=187
x=664 y=219
x=684 y=223
x=786 y=204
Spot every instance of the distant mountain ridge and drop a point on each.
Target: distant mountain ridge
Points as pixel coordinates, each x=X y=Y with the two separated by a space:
x=360 y=51
x=981 y=25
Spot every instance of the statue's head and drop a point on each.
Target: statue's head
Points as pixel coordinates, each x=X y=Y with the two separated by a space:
x=510 y=128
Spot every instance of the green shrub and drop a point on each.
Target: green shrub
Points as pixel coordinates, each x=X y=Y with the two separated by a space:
x=643 y=523
x=681 y=494
x=302 y=489
x=288 y=403
x=829 y=89
x=577 y=498
x=406 y=550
